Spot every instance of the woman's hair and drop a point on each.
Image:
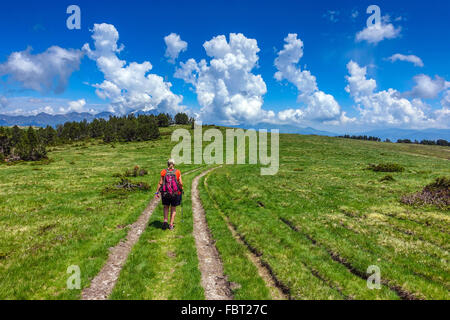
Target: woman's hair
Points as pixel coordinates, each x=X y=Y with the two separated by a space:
x=171 y=162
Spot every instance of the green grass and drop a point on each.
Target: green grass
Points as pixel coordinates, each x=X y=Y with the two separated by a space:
x=341 y=211
x=54 y=215
x=238 y=268
x=322 y=214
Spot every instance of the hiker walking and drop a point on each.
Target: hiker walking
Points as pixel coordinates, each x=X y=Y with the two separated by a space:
x=170 y=188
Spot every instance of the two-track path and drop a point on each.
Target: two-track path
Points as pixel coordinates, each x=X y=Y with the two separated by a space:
x=103 y=283
x=214 y=282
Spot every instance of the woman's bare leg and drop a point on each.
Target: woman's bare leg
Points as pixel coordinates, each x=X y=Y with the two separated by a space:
x=172 y=215
x=166 y=213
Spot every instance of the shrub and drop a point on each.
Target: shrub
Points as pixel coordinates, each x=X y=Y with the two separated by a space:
x=135 y=172
x=122 y=188
x=442 y=183
x=436 y=193
x=130 y=186
x=386 y=167
x=387 y=178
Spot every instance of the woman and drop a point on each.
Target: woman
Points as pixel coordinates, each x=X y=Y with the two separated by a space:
x=170 y=188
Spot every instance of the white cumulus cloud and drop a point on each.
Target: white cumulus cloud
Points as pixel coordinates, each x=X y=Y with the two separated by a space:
x=388 y=107
x=378 y=32
x=409 y=58
x=226 y=88
x=174 y=46
x=128 y=86
x=428 y=88
x=76 y=106
x=445 y=102
x=43 y=72
x=319 y=105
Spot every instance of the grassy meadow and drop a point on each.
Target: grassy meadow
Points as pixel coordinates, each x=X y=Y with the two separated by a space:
x=324 y=218
x=319 y=223
x=55 y=214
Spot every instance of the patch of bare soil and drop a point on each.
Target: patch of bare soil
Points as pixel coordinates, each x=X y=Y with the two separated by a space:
x=214 y=282
x=103 y=284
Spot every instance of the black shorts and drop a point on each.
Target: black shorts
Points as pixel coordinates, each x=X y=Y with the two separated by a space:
x=171 y=200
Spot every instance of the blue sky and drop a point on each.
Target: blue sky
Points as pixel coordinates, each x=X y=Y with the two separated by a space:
x=327 y=31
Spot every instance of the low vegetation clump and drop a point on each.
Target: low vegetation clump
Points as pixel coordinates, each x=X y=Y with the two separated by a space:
x=387 y=178
x=130 y=186
x=436 y=193
x=135 y=172
x=125 y=186
x=386 y=167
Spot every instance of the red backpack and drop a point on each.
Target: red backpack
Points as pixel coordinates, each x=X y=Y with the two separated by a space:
x=170 y=184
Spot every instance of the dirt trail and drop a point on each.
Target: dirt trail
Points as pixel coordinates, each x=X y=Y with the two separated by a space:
x=214 y=282
x=103 y=284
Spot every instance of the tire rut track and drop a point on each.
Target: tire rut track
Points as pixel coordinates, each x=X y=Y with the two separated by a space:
x=214 y=281
x=278 y=290
x=103 y=283
x=402 y=293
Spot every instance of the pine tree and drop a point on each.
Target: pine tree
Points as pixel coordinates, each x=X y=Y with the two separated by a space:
x=163 y=120
x=109 y=134
x=181 y=118
x=5 y=144
x=17 y=134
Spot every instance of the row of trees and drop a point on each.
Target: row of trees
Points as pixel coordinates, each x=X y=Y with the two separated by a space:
x=30 y=144
x=439 y=142
x=368 y=138
x=21 y=144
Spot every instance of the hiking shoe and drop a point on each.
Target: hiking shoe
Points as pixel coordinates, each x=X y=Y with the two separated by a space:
x=171 y=227
x=165 y=226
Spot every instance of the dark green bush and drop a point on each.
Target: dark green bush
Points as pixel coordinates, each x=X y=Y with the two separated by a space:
x=135 y=172
x=442 y=183
x=387 y=178
x=386 y=167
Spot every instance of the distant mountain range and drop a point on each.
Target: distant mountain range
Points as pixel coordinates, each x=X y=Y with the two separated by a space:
x=390 y=133
x=289 y=129
x=395 y=134
x=44 y=119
